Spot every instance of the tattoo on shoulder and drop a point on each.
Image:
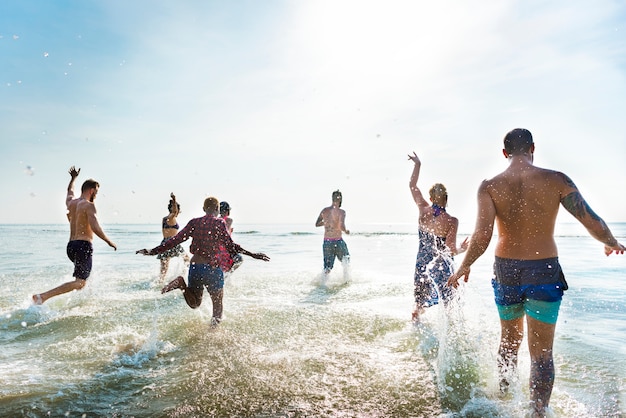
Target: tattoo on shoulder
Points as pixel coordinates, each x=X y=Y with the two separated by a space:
x=577 y=206
x=567 y=180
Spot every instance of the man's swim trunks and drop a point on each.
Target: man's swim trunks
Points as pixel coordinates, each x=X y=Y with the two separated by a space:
x=334 y=248
x=80 y=252
x=205 y=275
x=532 y=286
x=172 y=252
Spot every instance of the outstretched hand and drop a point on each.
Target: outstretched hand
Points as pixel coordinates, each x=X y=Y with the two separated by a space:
x=414 y=158
x=143 y=251
x=73 y=172
x=617 y=249
x=453 y=281
x=260 y=256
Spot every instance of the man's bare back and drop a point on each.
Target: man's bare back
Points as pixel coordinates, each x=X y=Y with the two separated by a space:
x=79 y=211
x=526 y=200
x=333 y=220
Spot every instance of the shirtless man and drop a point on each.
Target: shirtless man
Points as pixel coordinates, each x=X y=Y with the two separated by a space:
x=333 y=219
x=524 y=201
x=81 y=213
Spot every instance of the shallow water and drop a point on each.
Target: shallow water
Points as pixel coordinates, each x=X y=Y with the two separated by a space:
x=290 y=345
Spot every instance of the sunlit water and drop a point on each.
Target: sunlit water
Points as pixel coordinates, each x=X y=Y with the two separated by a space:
x=290 y=345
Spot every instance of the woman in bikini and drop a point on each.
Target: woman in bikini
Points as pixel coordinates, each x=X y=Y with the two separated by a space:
x=170 y=228
x=437 y=235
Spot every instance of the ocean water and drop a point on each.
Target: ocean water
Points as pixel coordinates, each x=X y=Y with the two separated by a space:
x=290 y=345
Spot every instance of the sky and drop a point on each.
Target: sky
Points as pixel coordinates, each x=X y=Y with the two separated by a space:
x=272 y=105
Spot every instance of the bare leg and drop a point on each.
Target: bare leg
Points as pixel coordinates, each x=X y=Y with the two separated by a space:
x=217 y=299
x=417 y=311
x=177 y=283
x=540 y=340
x=511 y=335
x=77 y=284
x=193 y=297
x=165 y=262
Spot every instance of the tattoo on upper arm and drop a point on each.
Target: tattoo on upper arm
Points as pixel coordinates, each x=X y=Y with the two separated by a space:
x=577 y=206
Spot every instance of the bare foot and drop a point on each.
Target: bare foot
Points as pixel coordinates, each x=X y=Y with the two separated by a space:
x=415 y=316
x=417 y=311
x=37 y=300
x=177 y=283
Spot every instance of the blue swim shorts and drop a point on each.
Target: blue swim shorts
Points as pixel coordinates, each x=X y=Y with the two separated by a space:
x=205 y=275
x=334 y=248
x=534 y=287
x=80 y=253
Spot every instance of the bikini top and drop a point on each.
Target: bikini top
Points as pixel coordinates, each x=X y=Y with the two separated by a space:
x=167 y=226
x=437 y=210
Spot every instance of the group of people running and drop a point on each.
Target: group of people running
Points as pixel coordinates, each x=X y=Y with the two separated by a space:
x=528 y=283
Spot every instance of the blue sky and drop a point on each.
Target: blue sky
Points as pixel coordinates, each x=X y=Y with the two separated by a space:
x=272 y=105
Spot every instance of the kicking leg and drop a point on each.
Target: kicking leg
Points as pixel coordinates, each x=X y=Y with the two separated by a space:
x=64 y=288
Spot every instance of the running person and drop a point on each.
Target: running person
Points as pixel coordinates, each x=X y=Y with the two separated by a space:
x=437 y=236
x=207 y=234
x=169 y=227
x=81 y=214
x=228 y=262
x=333 y=219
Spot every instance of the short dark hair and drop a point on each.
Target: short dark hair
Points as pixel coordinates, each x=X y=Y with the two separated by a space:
x=89 y=184
x=336 y=194
x=224 y=207
x=518 y=141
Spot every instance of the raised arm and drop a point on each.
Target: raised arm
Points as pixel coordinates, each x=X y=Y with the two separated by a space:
x=483 y=231
x=70 y=187
x=175 y=210
x=415 y=191
x=574 y=203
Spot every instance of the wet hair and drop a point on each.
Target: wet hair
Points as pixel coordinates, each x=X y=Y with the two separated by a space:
x=518 y=141
x=337 y=197
x=438 y=194
x=171 y=205
x=224 y=207
x=211 y=204
x=89 y=184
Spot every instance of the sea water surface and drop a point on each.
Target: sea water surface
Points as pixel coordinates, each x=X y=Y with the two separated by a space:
x=290 y=345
